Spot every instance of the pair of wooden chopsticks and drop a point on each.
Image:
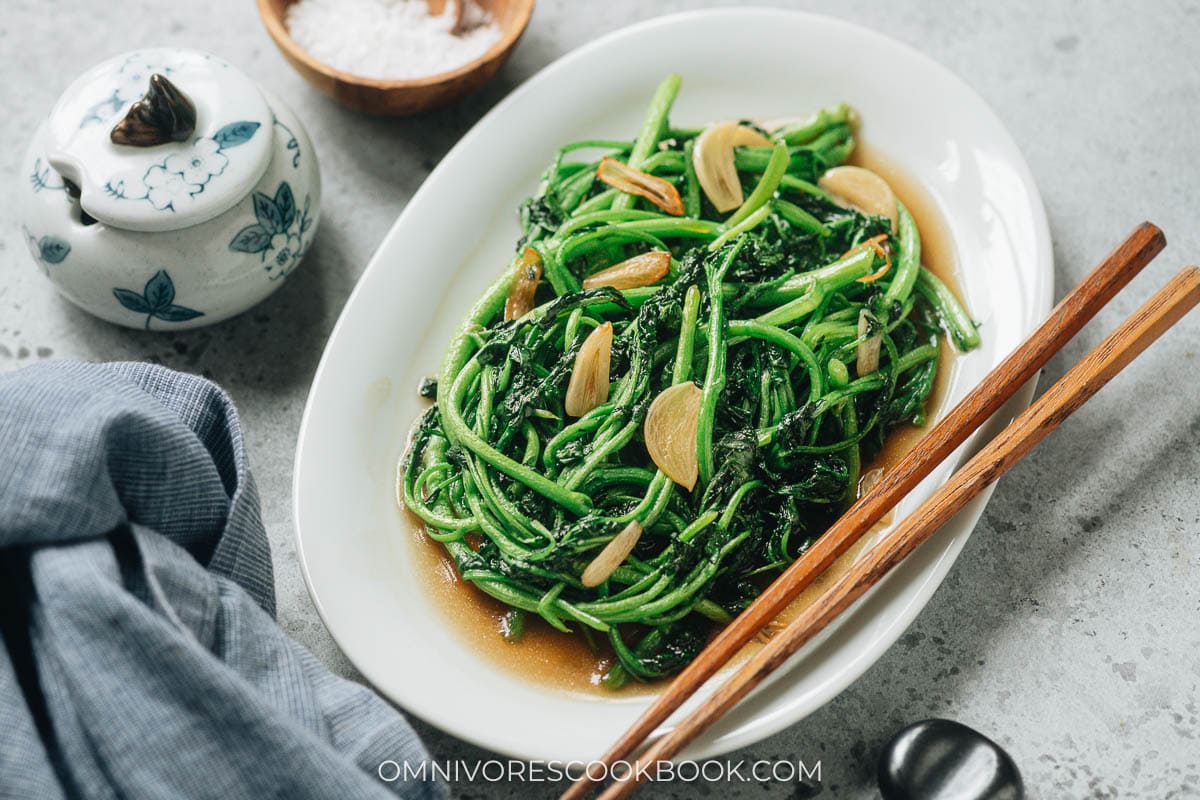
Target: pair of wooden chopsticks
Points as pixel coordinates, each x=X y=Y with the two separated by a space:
x=1133 y=336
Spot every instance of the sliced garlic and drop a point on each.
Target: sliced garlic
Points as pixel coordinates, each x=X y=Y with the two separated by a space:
x=588 y=386
x=713 y=159
x=865 y=484
x=612 y=556
x=868 y=480
x=659 y=191
x=641 y=270
x=868 y=349
x=861 y=190
x=670 y=432
x=524 y=286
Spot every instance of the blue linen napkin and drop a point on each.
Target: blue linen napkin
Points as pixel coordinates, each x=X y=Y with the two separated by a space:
x=139 y=657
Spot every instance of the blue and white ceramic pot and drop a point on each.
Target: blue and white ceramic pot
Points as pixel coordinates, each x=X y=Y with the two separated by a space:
x=167 y=190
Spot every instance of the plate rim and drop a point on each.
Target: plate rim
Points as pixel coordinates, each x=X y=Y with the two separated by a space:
x=1042 y=299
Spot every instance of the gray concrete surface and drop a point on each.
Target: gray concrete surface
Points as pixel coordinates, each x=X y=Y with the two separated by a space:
x=1069 y=630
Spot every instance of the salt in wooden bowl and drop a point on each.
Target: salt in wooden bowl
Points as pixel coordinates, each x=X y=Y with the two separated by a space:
x=409 y=96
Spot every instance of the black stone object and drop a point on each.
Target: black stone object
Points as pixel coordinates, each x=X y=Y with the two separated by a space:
x=938 y=759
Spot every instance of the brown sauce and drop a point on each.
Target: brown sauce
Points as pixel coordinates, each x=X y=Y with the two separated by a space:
x=567 y=661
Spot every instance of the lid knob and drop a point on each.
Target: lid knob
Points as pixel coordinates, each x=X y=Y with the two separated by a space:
x=164 y=114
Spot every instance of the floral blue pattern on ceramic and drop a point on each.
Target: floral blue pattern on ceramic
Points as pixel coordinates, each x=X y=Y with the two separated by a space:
x=174 y=183
x=279 y=234
x=292 y=143
x=133 y=71
x=43 y=177
x=46 y=250
x=156 y=301
x=217 y=219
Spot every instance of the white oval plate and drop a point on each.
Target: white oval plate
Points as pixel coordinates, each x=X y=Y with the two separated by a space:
x=459 y=231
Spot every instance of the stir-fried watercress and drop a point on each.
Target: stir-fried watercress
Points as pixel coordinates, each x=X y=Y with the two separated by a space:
x=671 y=392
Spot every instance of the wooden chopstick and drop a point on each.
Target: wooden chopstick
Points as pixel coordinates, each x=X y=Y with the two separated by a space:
x=1067 y=318
x=1082 y=381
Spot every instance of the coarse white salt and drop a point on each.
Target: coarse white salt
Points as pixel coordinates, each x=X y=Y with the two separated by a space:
x=390 y=39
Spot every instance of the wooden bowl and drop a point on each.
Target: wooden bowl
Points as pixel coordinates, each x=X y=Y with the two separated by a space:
x=401 y=97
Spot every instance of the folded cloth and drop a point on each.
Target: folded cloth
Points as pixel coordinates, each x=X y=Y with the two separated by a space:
x=139 y=657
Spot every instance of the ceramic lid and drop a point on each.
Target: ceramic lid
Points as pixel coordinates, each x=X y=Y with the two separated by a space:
x=150 y=186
